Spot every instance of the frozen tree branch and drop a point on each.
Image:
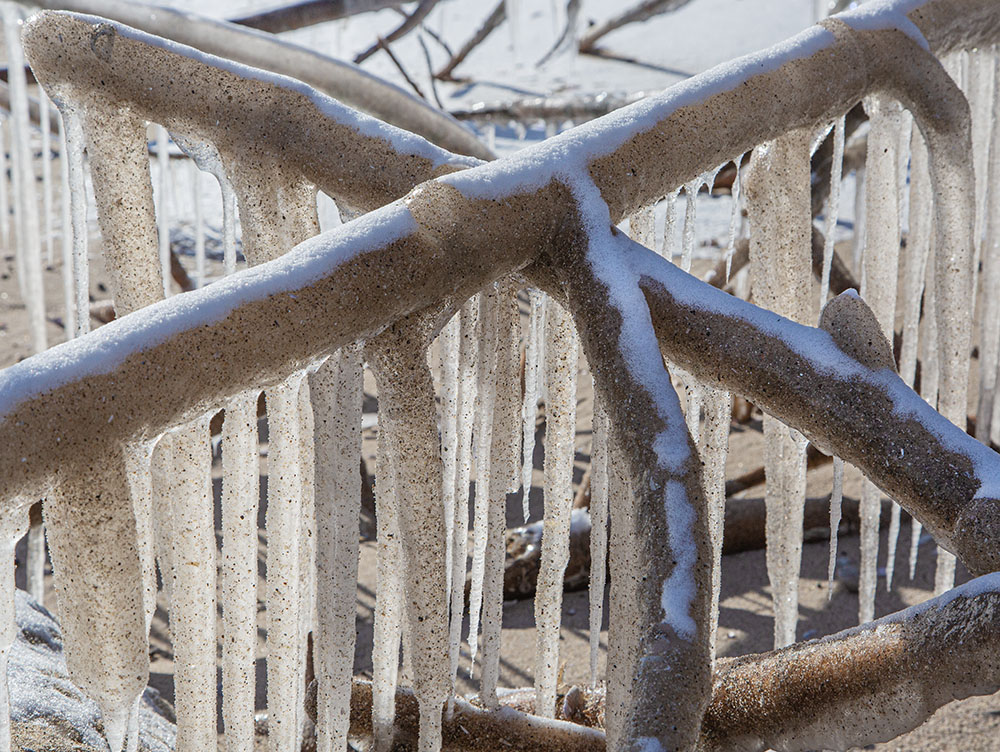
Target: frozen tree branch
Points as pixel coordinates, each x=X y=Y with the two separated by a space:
x=495 y=19
x=345 y=82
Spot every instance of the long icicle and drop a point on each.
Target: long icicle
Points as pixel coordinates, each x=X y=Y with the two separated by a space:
x=163 y=217
x=240 y=473
x=561 y=353
x=11 y=530
x=44 y=109
x=780 y=264
x=73 y=130
x=337 y=410
x=714 y=450
x=449 y=347
x=66 y=233
x=878 y=288
x=485 y=395
x=467 y=368
x=529 y=409
x=918 y=249
x=504 y=452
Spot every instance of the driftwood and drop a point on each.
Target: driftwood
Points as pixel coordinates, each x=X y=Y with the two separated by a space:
x=548 y=213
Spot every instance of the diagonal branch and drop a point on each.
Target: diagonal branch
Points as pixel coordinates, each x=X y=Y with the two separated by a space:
x=411 y=22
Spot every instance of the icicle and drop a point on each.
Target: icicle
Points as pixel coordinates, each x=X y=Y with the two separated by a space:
x=98 y=579
x=560 y=427
x=73 y=131
x=388 y=593
x=228 y=226
x=4 y=192
x=598 y=530
x=836 y=502
x=467 y=369
x=878 y=288
x=448 y=343
x=337 y=410
x=503 y=474
x=12 y=528
x=714 y=450
x=199 y=226
x=670 y=226
x=69 y=293
x=162 y=211
x=306 y=542
x=283 y=524
x=240 y=474
x=858 y=240
x=486 y=393
x=28 y=246
x=690 y=214
x=735 y=217
x=832 y=208
x=36 y=561
x=989 y=351
x=529 y=410
x=192 y=606
x=780 y=259
x=43 y=118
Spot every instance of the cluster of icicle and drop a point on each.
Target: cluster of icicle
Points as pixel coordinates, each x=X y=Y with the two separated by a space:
x=487 y=434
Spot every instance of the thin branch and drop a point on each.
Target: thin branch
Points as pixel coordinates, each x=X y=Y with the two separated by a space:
x=640 y=12
x=412 y=21
x=430 y=70
x=399 y=66
x=308 y=13
x=495 y=19
x=566 y=38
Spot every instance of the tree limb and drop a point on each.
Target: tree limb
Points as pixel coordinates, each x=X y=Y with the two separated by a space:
x=641 y=12
x=309 y=13
x=493 y=20
x=411 y=22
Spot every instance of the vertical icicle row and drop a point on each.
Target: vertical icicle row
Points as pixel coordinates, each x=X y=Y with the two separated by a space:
x=529 y=409
x=780 y=263
x=599 y=461
x=878 y=288
x=240 y=473
x=836 y=503
x=337 y=386
x=28 y=247
x=467 y=369
x=561 y=353
x=486 y=387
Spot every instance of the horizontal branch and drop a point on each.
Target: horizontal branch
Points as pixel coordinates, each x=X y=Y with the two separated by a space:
x=309 y=13
x=345 y=82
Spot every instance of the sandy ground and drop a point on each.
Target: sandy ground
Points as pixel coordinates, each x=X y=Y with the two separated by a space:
x=745 y=619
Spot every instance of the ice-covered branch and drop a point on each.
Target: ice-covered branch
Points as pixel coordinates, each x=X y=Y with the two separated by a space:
x=892 y=674
x=347 y=83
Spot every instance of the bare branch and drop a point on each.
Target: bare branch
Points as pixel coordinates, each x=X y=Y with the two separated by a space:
x=495 y=19
x=399 y=66
x=412 y=21
x=641 y=12
x=308 y=13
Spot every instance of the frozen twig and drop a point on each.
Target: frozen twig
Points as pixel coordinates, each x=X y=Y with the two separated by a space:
x=495 y=19
x=411 y=22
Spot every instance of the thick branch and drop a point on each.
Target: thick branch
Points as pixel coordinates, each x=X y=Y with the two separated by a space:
x=345 y=82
